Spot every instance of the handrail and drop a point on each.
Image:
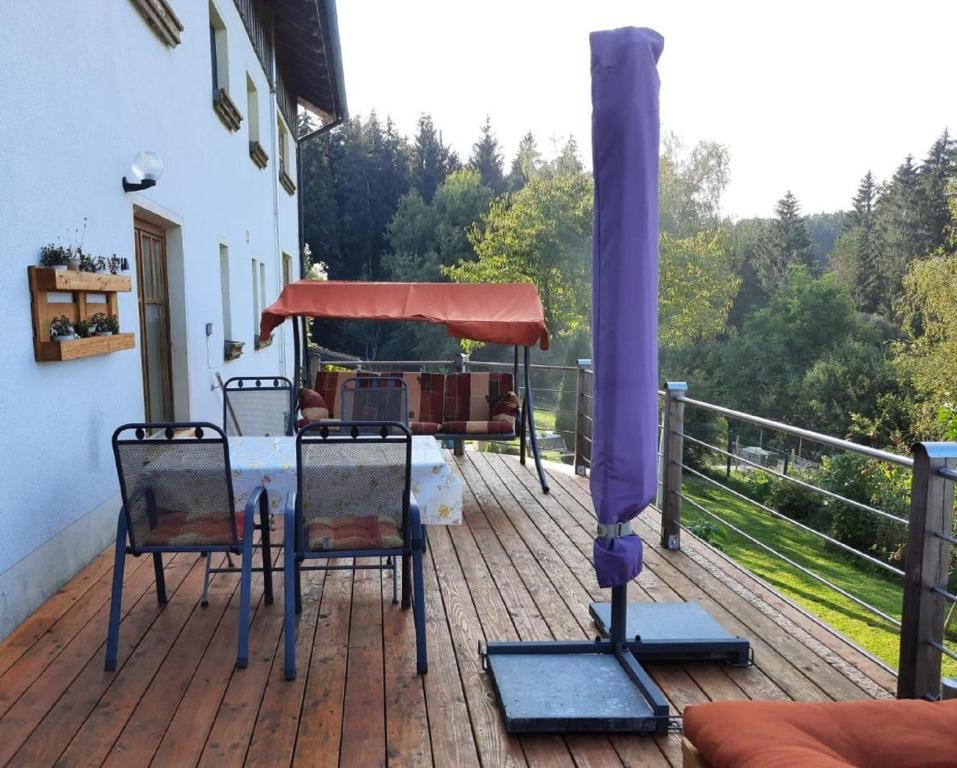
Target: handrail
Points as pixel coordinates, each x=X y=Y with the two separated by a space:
x=796 y=481
x=807 y=434
x=806 y=528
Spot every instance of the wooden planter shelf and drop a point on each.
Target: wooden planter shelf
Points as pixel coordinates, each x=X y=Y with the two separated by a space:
x=65 y=292
x=93 y=345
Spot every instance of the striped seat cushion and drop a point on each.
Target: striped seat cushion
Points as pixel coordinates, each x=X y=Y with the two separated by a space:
x=478 y=428
x=426 y=397
x=473 y=396
x=179 y=529
x=329 y=385
x=345 y=533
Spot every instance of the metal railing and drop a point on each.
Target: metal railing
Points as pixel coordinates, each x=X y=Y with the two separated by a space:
x=926 y=536
x=555 y=389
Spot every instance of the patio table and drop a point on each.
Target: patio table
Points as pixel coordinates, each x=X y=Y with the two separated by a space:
x=271 y=462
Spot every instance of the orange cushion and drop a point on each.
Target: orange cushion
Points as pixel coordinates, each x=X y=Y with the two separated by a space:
x=178 y=529
x=876 y=734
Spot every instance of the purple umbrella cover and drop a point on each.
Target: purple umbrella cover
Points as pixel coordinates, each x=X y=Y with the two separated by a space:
x=625 y=130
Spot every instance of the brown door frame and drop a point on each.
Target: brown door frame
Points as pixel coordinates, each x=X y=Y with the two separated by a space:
x=154 y=231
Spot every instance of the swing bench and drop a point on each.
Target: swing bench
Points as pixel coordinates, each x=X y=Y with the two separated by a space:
x=457 y=406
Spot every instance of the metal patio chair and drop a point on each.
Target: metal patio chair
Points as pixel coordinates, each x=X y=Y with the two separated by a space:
x=375 y=398
x=353 y=500
x=176 y=487
x=258 y=406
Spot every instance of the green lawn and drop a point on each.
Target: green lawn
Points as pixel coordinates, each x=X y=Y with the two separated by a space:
x=868 y=583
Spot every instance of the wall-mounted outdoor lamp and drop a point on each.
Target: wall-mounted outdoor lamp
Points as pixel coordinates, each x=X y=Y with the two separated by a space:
x=145 y=171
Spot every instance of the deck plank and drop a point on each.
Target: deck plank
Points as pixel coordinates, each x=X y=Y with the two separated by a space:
x=320 y=722
x=185 y=736
x=145 y=628
x=363 y=715
x=519 y=568
x=406 y=715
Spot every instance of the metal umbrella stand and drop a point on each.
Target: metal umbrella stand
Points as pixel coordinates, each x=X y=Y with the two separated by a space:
x=601 y=685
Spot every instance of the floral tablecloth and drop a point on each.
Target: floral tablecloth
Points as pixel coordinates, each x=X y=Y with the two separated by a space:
x=271 y=462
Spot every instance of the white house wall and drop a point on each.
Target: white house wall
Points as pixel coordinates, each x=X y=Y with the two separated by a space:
x=85 y=88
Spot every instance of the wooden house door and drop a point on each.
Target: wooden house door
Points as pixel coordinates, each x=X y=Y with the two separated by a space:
x=153 y=293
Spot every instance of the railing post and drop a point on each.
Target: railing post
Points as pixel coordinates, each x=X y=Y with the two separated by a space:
x=582 y=419
x=674 y=439
x=926 y=567
x=461 y=366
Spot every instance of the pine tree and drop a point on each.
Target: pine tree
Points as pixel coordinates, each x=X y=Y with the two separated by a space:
x=869 y=288
x=936 y=175
x=787 y=243
x=902 y=227
x=432 y=161
x=526 y=165
x=486 y=159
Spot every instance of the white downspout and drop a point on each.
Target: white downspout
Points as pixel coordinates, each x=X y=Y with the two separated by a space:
x=274 y=114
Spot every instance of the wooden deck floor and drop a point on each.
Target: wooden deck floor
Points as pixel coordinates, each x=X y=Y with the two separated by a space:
x=518 y=568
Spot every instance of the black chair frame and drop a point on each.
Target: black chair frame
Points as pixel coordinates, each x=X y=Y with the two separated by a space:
x=257 y=383
x=295 y=551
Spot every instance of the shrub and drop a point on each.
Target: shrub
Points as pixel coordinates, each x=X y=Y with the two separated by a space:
x=873 y=483
x=797 y=502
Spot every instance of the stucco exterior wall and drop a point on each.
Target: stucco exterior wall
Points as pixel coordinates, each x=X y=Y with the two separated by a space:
x=84 y=90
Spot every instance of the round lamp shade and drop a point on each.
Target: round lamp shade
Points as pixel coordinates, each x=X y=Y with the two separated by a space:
x=146 y=165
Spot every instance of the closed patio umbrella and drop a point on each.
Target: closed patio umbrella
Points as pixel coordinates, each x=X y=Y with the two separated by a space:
x=601 y=685
x=625 y=129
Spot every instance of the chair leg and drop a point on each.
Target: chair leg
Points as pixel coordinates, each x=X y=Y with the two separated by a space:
x=160 y=581
x=395 y=580
x=245 y=587
x=406 y=583
x=289 y=597
x=298 y=574
x=418 y=613
x=264 y=522
x=116 y=597
x=204 y=600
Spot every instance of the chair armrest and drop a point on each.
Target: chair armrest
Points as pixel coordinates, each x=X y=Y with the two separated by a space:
x=257 y=497
x=289 y=522
x=415 y=524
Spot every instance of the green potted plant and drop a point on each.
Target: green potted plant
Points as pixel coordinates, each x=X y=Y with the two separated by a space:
x=105 y=325
x=82 y=328
x=61 y=328
x=101 y=265
x=114 y=263
x=73 y=259
x=53 y=256
x=87 y=263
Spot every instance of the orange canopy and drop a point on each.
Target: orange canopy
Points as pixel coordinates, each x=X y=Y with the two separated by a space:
x=499 y=313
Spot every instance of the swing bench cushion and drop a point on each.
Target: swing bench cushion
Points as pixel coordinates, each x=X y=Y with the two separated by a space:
x=457 y=404
x=476 y=402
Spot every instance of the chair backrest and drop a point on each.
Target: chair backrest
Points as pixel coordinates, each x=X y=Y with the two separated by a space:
x=258 y=405
x=353 y=486
x=176 y=485
x=382 y=398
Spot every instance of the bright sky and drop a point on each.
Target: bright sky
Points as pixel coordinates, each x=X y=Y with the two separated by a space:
x=807 y=96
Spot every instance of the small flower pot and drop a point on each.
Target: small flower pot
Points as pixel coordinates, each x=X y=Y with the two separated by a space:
x=67 y=337
x=59 y=268
x=103 y=333
x=73 y=265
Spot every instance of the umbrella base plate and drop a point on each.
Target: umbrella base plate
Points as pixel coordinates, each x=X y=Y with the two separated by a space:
x=675 y=632
x=549 y=687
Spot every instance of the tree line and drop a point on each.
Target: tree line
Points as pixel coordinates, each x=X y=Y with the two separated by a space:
x=844 y=322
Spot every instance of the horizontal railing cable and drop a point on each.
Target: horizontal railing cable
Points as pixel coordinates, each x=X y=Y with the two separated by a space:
x=796 y=481
x=796 y=524
x=807 y=434
x=944 y=650
x=806 y=571
x=948 y=473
